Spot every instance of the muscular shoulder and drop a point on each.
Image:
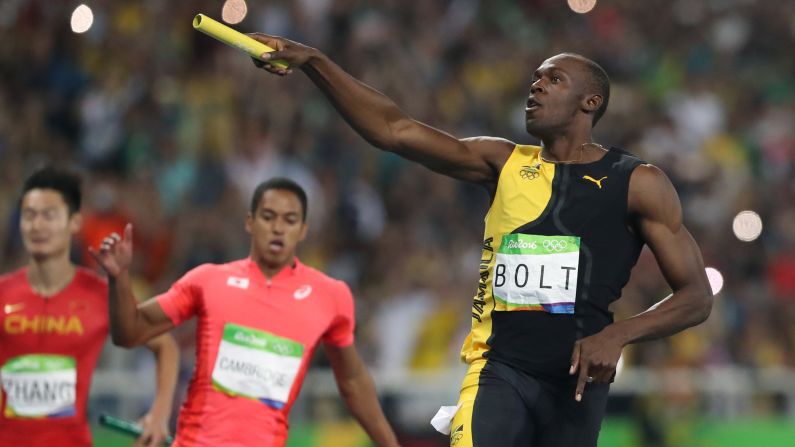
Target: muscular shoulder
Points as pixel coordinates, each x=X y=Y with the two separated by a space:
x=201 y=272
x=653 y=198
x=320 y=279
x=12 y=278
x=92 y=282
x=11 y=282
x=495 y=150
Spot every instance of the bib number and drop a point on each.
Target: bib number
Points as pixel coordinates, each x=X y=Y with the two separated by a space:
x=39 y=386
x=537 y=273
x=256 y=365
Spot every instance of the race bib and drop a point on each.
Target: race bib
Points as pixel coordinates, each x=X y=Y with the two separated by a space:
x=39 y=386
x=537 y=273
x=256 y=365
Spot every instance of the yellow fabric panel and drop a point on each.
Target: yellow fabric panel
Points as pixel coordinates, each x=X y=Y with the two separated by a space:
x=523 y=192
x=461 y=426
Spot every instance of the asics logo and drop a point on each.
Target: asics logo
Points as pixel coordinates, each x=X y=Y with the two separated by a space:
x=555 y=245
x=240 y=283
x=302 y=292
x=597 y=182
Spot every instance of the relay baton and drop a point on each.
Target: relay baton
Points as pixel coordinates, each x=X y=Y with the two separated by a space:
x=233 y=38
x=127 y=427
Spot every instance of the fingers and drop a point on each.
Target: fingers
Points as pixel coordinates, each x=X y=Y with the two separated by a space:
x=128 y=232
x=576 y=364
x=271 y=41
x=575 y=358
x=109 y=243
x=154 y=441
x=582 y=379
x=95 y=255
x=265 y=64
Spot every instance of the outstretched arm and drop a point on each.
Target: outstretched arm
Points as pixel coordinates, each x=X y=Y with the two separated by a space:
x=155 y=422
x=358 y=391
x=131 y=323
x=653 y=200
x=383 y=124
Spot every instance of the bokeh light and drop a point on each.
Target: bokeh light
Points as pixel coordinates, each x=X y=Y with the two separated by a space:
x=582 y=6
x=234 y=11
x=82 y=19
x=747 y=226
x=715 y=279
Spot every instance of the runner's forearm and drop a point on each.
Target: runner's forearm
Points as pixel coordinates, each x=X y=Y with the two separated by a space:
x=167 y=367
x=360 y=396
x=683 y=309
x=125 y=318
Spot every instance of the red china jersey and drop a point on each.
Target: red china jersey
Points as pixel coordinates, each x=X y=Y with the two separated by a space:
x=49 y=347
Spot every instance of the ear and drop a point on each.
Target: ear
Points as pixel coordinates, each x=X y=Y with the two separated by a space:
x=591 y=103
x=75 y=223
x=304 y=231
x=249 y=222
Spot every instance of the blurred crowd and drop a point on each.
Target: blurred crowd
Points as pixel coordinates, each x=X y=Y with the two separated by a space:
x=173 y=131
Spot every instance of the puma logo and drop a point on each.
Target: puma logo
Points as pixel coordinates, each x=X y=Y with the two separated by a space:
x=591 y=179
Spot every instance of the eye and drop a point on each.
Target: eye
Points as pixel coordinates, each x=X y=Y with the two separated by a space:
x=555 y=79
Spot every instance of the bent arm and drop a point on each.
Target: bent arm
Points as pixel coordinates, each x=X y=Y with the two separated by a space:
x=358 y=391
x=131 y=323
x=656 y=205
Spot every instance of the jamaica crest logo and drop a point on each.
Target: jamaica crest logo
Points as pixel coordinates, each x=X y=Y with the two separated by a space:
x=456 y=435
x=530 y=172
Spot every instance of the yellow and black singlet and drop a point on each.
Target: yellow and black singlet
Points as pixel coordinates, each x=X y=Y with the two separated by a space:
x=557 y=250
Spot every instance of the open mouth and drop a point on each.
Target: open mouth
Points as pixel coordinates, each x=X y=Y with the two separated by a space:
x=276 y=246
x=532 y=105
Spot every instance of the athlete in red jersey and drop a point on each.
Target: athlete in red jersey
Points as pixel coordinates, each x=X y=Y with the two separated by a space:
x=54 y=325
x=259 y=322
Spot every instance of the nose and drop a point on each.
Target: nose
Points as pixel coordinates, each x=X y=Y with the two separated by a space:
x=37 y=222
x=537 y=86
x=278 y=226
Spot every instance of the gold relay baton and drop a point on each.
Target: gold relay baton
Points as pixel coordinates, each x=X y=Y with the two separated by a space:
x=233 y=38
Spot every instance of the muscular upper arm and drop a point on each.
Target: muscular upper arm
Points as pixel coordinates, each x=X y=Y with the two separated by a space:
x=658 y=216
x=477 y=160
x=154 y=319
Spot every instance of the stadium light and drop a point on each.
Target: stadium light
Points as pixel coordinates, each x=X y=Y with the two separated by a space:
x=747 y=226
x=82 y=19
x=715 y=279
x=582 y=6
x=234 y=11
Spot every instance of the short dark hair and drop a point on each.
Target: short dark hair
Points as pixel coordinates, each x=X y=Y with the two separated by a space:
x=283 y=184
x=598 y=82
x=65 y=182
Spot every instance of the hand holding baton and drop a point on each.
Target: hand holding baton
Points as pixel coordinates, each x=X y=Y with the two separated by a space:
x=231 y=37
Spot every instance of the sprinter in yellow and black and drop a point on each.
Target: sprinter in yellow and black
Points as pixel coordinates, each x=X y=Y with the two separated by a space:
x=567 y=221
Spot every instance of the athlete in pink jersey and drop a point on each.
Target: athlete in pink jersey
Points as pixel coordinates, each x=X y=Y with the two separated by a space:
x=54 y=325
x=259 y=322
